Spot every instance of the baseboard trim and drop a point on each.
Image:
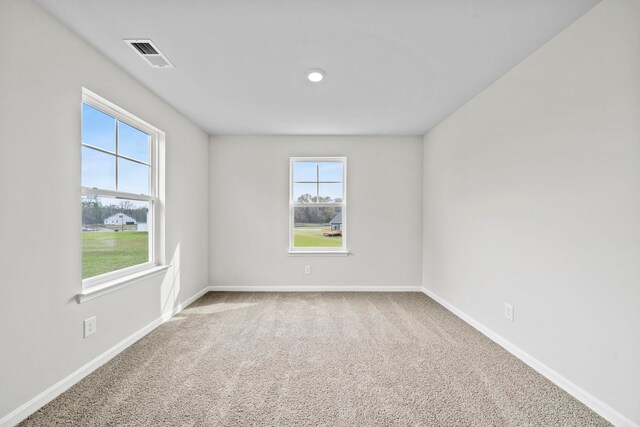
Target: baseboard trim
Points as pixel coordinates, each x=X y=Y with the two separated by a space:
x=178 y=308
x=63 y=385
x=604 y=410
x=28 y=408
x=315 y=288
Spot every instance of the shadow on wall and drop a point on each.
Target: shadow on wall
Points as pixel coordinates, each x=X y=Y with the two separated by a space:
x=170 y=288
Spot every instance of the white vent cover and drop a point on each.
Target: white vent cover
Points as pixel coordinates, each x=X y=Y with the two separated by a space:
x=149 y=52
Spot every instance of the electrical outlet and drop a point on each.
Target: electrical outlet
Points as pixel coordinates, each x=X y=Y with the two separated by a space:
x=307 y=269
x=508 y=311
x=90 y=326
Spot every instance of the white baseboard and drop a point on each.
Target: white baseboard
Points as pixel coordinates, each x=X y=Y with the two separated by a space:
x=604 y=410
x=60 y=387
x=315 y=288
x=28 y=408
x=178 y=308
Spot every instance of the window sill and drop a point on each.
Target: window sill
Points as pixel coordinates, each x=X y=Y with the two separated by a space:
x=112 y=285
x=318 y=253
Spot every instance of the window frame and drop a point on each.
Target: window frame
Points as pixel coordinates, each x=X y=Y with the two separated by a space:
x=338 y=251
x=155 y=136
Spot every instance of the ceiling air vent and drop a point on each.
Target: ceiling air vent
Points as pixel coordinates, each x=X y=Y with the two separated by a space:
x=149 y=52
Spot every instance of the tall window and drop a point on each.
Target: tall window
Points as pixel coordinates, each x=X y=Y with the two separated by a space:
x=118 y=191
x=318 y=205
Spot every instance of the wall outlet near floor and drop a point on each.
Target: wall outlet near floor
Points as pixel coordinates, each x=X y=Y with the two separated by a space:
x=89 y=326
x=508 y=311
x=307 y=269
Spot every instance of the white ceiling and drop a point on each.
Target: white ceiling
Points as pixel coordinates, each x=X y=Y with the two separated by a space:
x=392 y=67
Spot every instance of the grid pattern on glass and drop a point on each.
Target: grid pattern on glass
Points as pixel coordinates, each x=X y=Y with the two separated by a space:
x=114 y=158
x=119 y=187
x=133 y=143
x=115 y=234
x=98 y=169
x=317 y=182
x=318 y=205
x=133 y=177
x=98 y=129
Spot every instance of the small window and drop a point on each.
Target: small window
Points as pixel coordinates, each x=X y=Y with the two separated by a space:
x=317 y=205
x=119 y=192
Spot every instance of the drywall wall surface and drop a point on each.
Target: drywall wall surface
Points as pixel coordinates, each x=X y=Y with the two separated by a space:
x=532 y=197
x=44 y=67
x=249 y=211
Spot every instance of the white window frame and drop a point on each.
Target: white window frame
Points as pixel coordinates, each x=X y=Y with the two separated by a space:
x=118 y=277
x=337 y=251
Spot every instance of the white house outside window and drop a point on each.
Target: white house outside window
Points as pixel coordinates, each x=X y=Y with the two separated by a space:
x=318 y=205
x=119 y=191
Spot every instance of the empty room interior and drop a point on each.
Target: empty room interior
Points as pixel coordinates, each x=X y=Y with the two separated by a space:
x=328 y=213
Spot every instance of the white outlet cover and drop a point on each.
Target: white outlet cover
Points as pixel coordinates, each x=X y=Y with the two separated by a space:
x=508 y=311
x=90 y=326
x=307 y=269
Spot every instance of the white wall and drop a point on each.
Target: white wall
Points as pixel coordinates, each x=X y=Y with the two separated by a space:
x=43 y=69
x=532 y=196
x=249 y=211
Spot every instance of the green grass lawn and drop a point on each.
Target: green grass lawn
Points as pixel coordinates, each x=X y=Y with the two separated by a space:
x=103 y=252
x=305 y=237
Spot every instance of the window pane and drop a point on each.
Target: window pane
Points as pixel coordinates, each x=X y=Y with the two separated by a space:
x=114 y=234
x=305 y=171
x=133 y=177
x=316 y=227
x=330 y=193
x=305 y=193
x=98 y=128
x=133 y=143
x=98 y=169
x=330 y=171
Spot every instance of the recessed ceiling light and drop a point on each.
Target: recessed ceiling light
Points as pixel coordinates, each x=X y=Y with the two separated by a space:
x=315 y=76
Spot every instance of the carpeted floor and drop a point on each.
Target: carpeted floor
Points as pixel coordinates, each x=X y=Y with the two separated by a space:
x=343 y=359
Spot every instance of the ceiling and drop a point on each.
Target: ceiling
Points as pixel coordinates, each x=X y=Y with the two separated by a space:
x=392 y=67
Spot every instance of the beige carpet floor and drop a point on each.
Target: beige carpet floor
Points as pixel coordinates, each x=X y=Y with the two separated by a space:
x=344 y=359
